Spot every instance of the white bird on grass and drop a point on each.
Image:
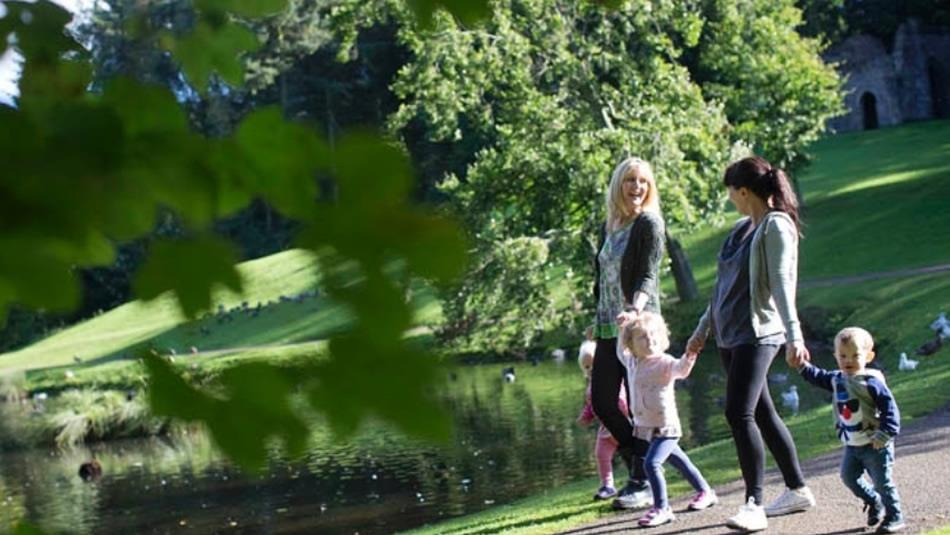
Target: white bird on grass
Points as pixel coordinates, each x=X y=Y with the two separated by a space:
x=777 y=378
x=941 y=326
x=790 y=399
x=907 y=364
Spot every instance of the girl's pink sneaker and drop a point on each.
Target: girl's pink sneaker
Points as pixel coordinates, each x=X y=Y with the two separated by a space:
x=656 y=517
x=703 y=500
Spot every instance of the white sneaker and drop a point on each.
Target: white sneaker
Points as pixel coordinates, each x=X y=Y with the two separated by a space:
x=656 y=517
x=751 y=517
x=791 y=501
x=703 y=499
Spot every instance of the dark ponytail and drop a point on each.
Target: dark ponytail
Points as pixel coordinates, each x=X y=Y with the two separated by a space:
x=769 y=183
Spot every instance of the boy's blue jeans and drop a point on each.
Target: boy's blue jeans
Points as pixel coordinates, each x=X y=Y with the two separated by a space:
x=879 y=465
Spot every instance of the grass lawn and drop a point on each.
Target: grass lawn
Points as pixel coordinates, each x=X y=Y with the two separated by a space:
x=875 y=201
x=159 y=323
x=103 y=352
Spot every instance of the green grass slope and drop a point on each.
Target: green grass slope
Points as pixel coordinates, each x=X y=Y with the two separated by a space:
x=117 y=333
x=874 y=201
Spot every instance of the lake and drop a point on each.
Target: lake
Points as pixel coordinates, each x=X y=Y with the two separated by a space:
x=511 y=440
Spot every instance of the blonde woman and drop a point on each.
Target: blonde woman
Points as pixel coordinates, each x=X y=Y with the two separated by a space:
x=626 y=282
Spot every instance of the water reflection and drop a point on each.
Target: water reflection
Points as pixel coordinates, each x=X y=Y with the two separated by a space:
x=512 y=440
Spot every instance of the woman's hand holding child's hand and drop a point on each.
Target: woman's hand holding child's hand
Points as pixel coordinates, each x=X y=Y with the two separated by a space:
x=794 y=361
x=695 y=344
x=796 y=354
x=625 y=317
x=878 y=444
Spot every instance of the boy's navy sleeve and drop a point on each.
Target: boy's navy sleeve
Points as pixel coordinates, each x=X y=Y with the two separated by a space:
x=817 y=376
x=890 y=415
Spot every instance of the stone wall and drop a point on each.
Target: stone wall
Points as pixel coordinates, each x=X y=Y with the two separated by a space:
x=910 y=83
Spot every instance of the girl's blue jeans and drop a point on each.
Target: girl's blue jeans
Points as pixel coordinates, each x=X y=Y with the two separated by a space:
x=661 y=449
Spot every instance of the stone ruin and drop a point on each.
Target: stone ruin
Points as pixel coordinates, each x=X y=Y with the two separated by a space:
x=911 y=82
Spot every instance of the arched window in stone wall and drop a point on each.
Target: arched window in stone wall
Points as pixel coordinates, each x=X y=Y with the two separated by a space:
x=939 y=88
x=869 y=110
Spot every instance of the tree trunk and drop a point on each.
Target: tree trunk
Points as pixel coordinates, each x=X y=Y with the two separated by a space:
x=682 y=272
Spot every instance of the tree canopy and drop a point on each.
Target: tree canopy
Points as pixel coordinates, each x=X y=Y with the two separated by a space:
x=519 y=120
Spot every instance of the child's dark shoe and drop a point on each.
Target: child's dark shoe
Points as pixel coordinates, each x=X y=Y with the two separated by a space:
x=891 y=525
x=875 y=511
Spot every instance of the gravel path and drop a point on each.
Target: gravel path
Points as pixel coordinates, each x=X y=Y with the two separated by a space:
x=922 y=470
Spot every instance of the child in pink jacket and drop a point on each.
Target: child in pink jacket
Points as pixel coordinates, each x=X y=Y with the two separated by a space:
x=606 y=444
x=651 y=373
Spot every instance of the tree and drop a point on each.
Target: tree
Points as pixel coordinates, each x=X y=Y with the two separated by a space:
x=835 y=20
x=776 y=90
x=531 y=109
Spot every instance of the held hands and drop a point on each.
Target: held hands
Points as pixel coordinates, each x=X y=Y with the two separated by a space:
x=794 y=361
x=589 y=333
x=627 y=316
x=796 y=354
x=695 y=345
x=878 y=444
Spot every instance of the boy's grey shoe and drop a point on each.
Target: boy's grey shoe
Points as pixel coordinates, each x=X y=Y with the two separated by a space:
x=875 y=512
x=891 y=525
x=605 y=493
x=635 y=495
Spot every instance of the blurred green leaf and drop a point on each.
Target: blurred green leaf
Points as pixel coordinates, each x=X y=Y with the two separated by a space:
x=48 y=82
x=281 y=159
x=40 y=30
x=170 y=395
x=144 y=110
x=209 y=49
x=254 y=410
x=37 y=278
x=434 y=246
x=396 y=384
x=25 y=528
x=370 y=172
x=189 y=268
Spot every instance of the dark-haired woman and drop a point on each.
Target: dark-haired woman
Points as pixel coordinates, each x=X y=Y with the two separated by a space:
x=752 y=315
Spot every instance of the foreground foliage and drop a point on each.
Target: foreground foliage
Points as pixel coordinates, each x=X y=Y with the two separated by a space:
x=85 y=170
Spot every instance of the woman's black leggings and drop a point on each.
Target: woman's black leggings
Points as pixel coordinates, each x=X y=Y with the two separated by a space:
x=752 y=417
x=605 y=381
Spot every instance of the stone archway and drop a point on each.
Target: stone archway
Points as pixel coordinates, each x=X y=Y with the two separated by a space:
x=869 y=110
x=939 y=89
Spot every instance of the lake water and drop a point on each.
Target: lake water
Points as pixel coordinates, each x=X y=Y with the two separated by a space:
x=512 y=440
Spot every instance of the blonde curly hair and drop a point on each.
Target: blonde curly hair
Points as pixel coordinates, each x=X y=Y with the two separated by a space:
x=649 y=322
